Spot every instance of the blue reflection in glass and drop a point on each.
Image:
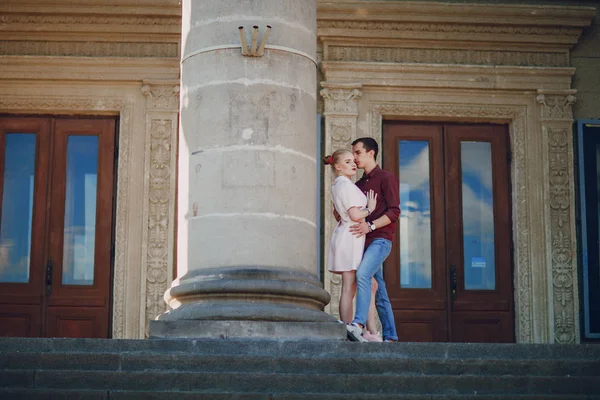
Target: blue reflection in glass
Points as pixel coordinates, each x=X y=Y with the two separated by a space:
x=17 y=207
x=415 y=217
x=478 y=216
x=80 y=210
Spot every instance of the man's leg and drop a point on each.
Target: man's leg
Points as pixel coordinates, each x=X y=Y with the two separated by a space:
x=384 y=308
x=372 y=260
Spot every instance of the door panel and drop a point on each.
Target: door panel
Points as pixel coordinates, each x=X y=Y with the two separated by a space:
x=449 y=274
x=55 y=225
x=80 y=227
x=77 y=322
x=21 y=320
x=24 y=148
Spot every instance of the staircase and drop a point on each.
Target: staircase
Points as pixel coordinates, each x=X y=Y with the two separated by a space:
x=270 y=370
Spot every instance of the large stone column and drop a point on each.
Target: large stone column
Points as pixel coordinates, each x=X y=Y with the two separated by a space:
x=247 y=232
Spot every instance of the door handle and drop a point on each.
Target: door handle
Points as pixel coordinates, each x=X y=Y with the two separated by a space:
x=453 y=281
x=49 y=272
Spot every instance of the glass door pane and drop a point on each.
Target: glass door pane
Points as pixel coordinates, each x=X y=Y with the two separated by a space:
x=415 y=218
x=17 y=207
x=80 y=210
x=478 y=216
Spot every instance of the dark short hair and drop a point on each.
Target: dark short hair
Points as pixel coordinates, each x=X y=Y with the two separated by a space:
x=369 y=144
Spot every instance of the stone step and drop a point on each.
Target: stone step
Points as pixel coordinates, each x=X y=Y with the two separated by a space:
x=49 y=394
x=235 y=382
x=311 y=348
x=294 y=364
x=228 y=369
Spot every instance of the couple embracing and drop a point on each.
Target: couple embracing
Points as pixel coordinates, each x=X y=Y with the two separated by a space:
x=362 y=240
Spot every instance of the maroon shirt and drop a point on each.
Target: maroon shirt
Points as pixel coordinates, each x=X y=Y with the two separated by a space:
x=385 y=184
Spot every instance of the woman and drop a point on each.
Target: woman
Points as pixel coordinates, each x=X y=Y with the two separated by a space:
x=346 y=250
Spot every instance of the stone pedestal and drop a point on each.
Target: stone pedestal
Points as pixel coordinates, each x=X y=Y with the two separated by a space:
x=247 y=232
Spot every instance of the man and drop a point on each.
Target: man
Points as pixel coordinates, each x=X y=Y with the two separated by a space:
x=379 y=228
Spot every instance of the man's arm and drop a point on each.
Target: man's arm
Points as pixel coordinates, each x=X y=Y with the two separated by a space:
x=392 y=197
x=389 y=189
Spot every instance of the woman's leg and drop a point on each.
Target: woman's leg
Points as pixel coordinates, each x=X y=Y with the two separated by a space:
x=371 y=321
x=348 y=291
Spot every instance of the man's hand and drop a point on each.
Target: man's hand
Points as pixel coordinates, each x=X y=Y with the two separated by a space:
x=360 y=229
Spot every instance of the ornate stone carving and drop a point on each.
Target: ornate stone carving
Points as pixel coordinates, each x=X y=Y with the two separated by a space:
x=341 y=135
x=517 y=116
x=341 y=111
x=159 y=223
x=341 y=100
x=89 y=49
x=563 y=269
x=161 y=97
x=556 y=107
x=446 y=56
x=447 y=28
x=90 y=20
x=124 y=107
x=521 y=240
x=556 y=117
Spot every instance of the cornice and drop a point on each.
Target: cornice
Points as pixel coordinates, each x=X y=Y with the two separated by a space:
x=466 y=13
x=91 y=21
x=430 y=24
x=88 y=68
x=376 y=74
x=110 y=7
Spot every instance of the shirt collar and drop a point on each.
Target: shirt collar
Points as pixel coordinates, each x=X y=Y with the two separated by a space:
x=373 y=172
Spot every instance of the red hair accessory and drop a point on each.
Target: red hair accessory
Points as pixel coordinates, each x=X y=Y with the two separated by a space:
x=328 y=160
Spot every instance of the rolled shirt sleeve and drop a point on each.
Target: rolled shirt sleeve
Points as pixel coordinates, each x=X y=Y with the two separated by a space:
x=390 y=189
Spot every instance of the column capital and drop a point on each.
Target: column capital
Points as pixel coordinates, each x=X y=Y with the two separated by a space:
x=161 y=95
x=341 y=98
x=556 y=104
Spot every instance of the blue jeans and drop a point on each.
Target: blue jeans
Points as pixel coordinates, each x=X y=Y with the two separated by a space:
x=372 y=266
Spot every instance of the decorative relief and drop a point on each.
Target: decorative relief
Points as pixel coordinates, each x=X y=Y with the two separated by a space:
x=341 y=135
x=341 y=111
x=122 y=243
x=556 y=107
x=88 y=20
x=517 y=115
x=88 y=49
x=159 y=195
x=161 y=97
x=447 y=28
x=447 y=56
x=563 y=271
x=341 y=100
x=521 y=239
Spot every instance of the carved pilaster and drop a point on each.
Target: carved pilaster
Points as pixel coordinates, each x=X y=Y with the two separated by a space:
x=341 y=112
x=556 y=119
x=159 y=210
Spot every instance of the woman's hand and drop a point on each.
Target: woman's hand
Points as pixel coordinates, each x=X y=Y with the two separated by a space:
x=371 y=201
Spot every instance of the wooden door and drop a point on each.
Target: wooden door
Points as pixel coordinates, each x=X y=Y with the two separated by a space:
x=449 y=274
x=63 y=290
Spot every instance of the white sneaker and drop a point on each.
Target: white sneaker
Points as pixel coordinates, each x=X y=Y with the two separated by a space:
x=355 y=332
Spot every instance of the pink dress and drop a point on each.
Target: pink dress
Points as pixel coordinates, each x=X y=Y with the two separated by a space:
x=345 y=249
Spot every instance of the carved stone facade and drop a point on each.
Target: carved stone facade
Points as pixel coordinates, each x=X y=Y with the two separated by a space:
x=379 y=60
x=411 y=70
x=83 y=59
x=341 y=111
x=556 y=119
x=162 y=105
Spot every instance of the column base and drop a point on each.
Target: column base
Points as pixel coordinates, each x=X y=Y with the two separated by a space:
x=236 y=329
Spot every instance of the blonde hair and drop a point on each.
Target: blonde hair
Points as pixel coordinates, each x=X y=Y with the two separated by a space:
x=335 y=157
